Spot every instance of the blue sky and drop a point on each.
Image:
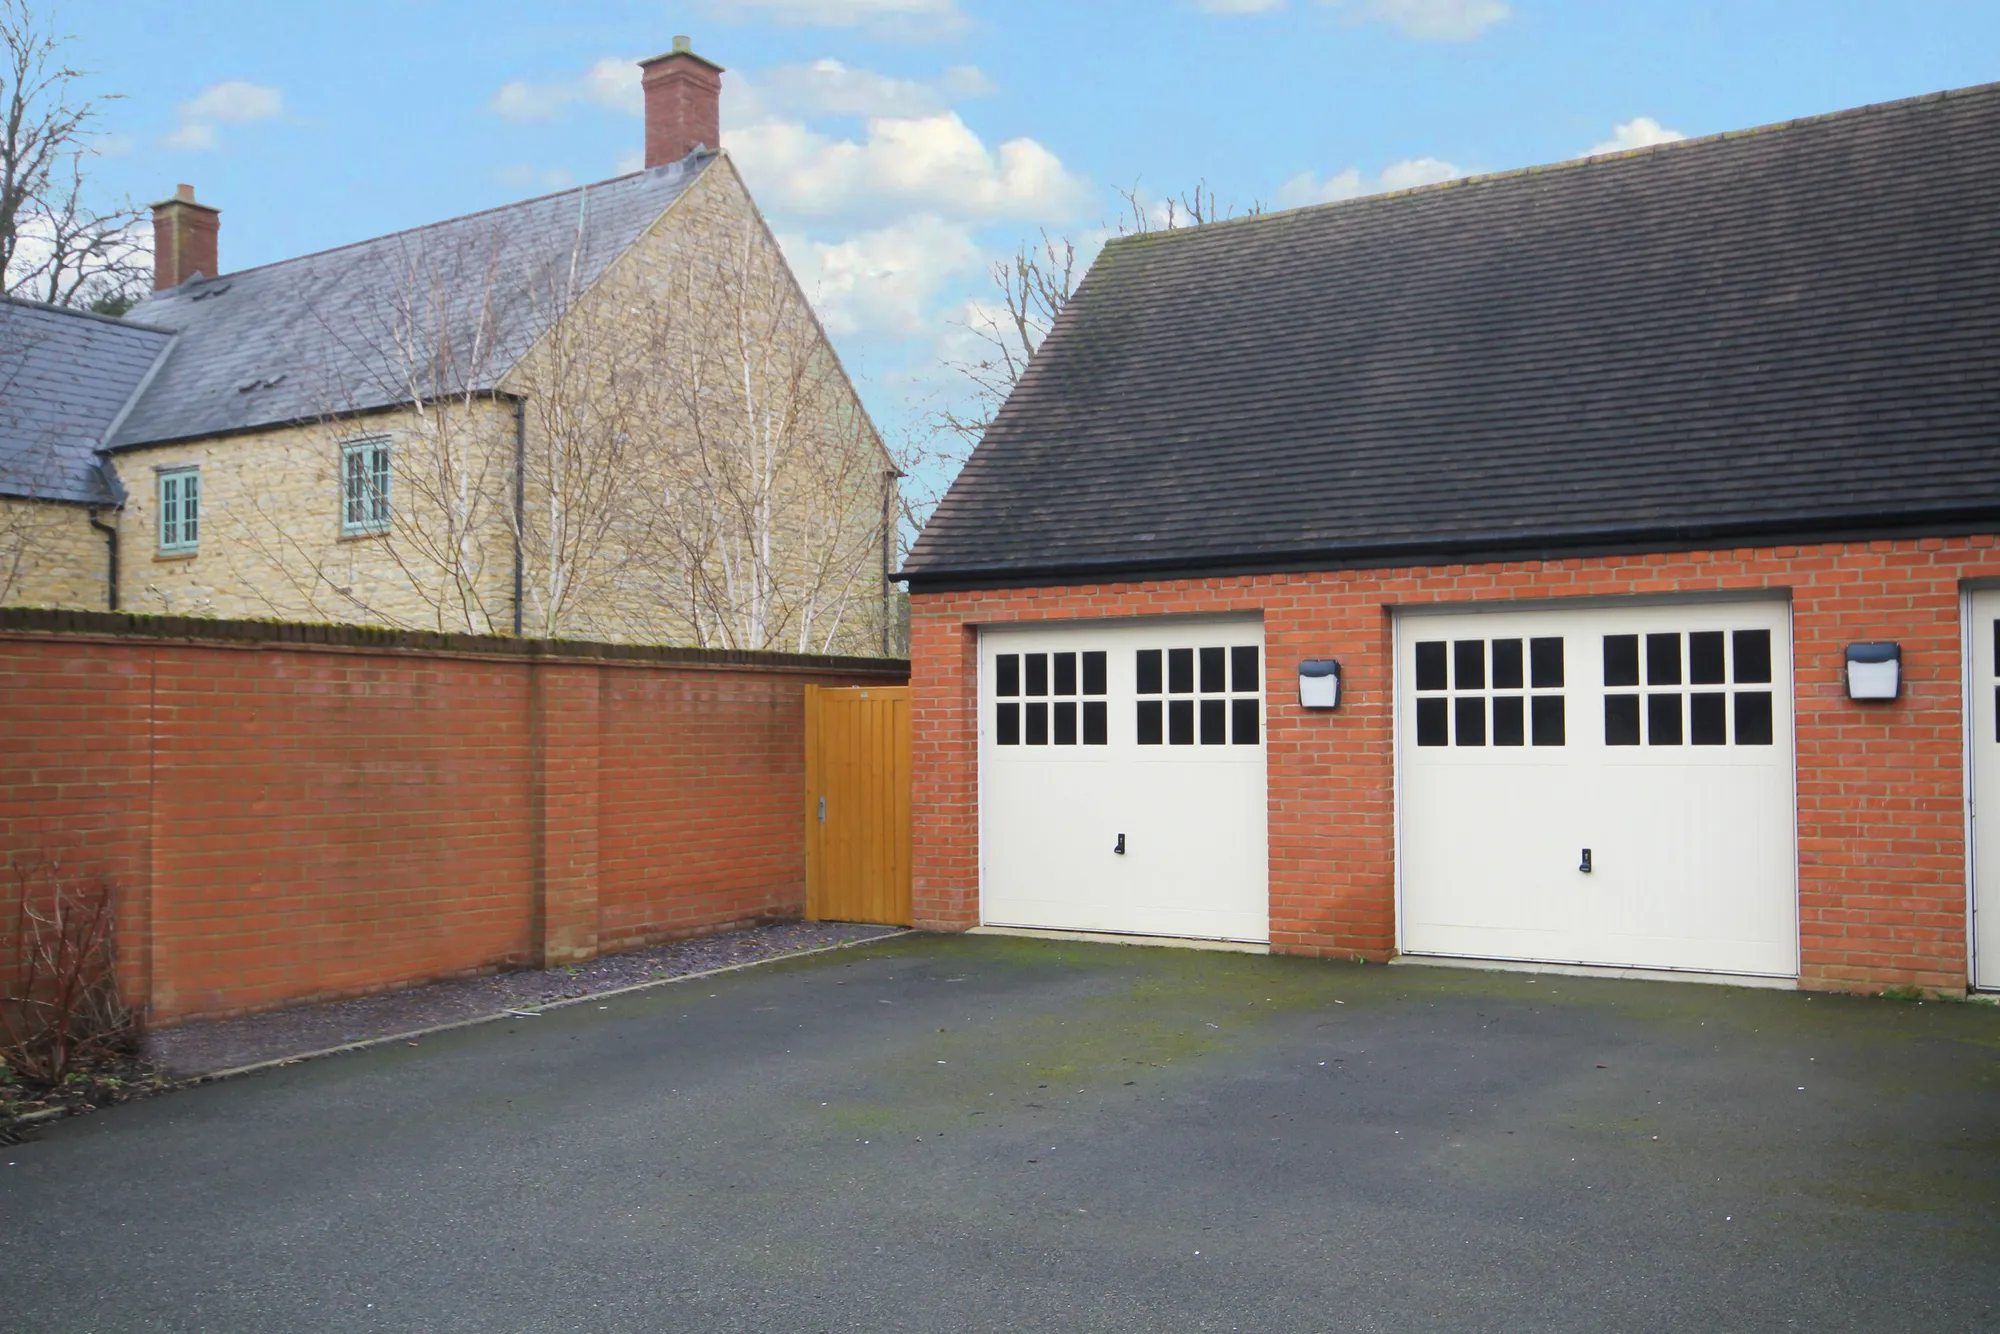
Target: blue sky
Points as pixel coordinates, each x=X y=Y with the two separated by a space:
x=899 y=146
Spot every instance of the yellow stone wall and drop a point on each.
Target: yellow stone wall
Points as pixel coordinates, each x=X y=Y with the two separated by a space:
x=50 y=556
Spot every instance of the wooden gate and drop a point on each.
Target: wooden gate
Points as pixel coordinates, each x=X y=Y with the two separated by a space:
x=858 y=804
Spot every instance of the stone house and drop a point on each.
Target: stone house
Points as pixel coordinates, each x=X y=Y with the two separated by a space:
x=606 y=413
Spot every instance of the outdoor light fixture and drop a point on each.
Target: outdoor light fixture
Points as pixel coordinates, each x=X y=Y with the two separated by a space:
x=1874 y=671
x=1319 y=684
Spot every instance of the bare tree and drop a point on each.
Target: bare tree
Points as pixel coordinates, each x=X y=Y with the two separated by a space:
x=55 y=245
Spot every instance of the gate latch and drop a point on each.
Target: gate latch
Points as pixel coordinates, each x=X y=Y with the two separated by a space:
x=822 y=820
x=1120 y=849
x=1585 y=868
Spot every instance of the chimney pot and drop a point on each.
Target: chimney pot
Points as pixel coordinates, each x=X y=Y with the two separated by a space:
x=683 y=104
x=184 y=239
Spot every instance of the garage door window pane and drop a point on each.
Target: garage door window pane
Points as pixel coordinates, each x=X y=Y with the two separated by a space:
x=1663 y=660
x=1180 y=671
x=1469 y=721
x=1149 y=671
x=1507 y=668
x=1621 y=715
x=1621 y=662
x=1705 y=665
x=1152 y=729
x=1708 y=719
x=1545 y=663
x=1093 y=673
x=1214 y=671
x=1753 y=718
x=1180 y=722
x=1038 y=674
x=1243 y=668
x=1510 y=718
x=1468 y=664
x=1243 y=723
x=1097 y=722
x=1007 y=674
x=1663 y=716
x=1547 y=711
x=1753 y=657
x=1215 y=722
x=1038 y=724
x=1433 y=722
x=1007 y=730
x=1066 y=724
x=1065 y=674
x=1430 y=666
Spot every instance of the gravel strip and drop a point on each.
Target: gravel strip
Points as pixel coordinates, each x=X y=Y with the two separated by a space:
x=202 y=1048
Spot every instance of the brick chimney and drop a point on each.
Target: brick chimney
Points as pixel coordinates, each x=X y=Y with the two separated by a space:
x=683 y=104
x=184 y=241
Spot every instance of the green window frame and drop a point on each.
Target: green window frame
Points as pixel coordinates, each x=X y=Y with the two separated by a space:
x=364 y=487
x=180 y=511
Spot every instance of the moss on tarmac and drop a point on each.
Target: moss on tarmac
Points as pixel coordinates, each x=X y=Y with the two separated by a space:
x=986 y=1133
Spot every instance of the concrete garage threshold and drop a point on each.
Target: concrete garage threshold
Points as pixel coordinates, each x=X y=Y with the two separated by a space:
x=991 y=1133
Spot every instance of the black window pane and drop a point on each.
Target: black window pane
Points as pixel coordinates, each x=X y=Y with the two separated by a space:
x=1038 y=674
x=1243 y=670
x=1038 y=724
x=1753 y=717
x=1621 y=719
x=1093 y=673
x=1510 y=720
x=1547 y=716
x=1066 y=724
x=1708 y=720
x=1007 y=674
x=1621 y=661
x=1243 y=722
x=1753 y=658
x=1545 y=663
x=1433 y=722
x=1469 y=721
x=1507 y=665
x=1065 y=674
x=1008 y=729
x=1996 y=648
x=1180 y=722
x=1663 y=718
x=1180 y=671
x=1663 y=661
x=1214 y=671
x=1430 y=666
x=1705 y=667
x=1215 y=722
x=1097 y=722
x=1151 y=729
x=1149 y=671
x=1468 y=664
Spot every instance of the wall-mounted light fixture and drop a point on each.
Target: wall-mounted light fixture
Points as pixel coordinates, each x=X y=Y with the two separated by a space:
x=1874 y=671
x=1319 y=684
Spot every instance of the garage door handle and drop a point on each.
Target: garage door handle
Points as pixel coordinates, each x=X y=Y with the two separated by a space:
x=822 y=815
x=1585 y=868
x=1120 y=849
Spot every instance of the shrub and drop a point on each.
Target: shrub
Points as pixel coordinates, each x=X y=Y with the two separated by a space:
x=61 y=1005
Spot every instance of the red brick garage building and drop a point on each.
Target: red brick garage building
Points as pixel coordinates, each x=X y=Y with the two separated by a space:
x=1591 y=480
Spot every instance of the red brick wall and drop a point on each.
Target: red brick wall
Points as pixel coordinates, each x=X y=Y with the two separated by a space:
x=289 y=822
x=1880 y=786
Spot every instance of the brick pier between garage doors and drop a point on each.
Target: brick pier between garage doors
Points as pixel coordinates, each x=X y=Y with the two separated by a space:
x=1879 y=866
x=294 y=813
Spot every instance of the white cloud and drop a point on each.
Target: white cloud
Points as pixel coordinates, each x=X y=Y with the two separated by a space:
x=1307 y=188
x=830 y=88
x=547 y=178
x=1239 y=6
x=929 y=163
x=232 y=102
x=910 y=20
x=1430 y=20
x=611 y=82
x=884 y=281
x=1639 y=132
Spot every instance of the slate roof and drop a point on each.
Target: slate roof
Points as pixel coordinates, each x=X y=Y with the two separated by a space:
x=453 y=305
x=65 y=376
x=1790 y=331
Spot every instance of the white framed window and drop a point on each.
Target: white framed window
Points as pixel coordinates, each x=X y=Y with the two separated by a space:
x=180 y=511
x=364 y=487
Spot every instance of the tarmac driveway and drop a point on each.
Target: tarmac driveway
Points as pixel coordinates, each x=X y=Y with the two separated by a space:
x=986 y=1134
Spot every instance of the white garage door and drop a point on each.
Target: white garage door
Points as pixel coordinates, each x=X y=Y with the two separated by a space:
x=1147 y=738
x=1982 y=684
x=1651 y=744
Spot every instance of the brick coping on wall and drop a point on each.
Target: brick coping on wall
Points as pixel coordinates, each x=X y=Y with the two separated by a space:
x=335 y=637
